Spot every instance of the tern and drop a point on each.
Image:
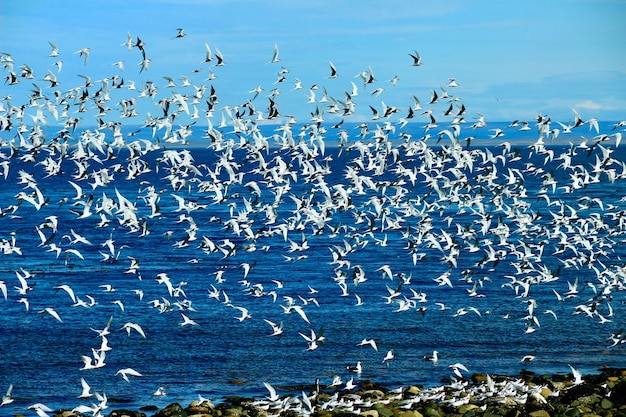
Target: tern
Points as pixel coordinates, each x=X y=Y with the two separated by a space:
x=275 y=56
x=126 y=372
x=417 y=60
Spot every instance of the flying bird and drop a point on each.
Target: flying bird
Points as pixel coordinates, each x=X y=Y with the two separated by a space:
x=275 y=57
x=417 y=59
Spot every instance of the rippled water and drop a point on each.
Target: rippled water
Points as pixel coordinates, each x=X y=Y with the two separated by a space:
x=41 y=356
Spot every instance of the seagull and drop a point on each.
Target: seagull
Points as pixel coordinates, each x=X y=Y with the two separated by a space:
x=434 y=358
x=356 y=368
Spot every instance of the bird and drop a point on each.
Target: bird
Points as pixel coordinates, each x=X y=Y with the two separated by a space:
x=133 y=326
x=417 y=59
x=577 y=376
x=356 y=368
x=276 y=328
x=125 y=372
x=388 y=356
x=84 y=52
x=86 y=389
x=51 y=311
x=180 y=33
x=187 y=321
x=370 y=342
x=432 y=358
x=457 y=368
x=333 y=70
x=55 y=50
x=272 y=392
x=8 y=397
x=275 y=57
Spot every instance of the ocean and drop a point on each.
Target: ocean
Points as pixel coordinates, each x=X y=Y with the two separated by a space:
x=485 y=251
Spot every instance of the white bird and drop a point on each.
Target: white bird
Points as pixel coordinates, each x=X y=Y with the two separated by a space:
x=276 y=328
x=84 y=53
x=370 y=342
x=577 y=375
x=55 y=50
x=52 y=312
x=457 y=368
x=8 y=397
x=187 y=321
x=126 y=372
x=244 y=313
x=275 y=56
x=42 y=410
x=86 y=393
x=389 y=356
x=272 y=392
x=68 y=290
x=133 y=326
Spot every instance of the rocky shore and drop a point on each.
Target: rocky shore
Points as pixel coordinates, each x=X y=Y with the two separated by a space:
x=528 y=395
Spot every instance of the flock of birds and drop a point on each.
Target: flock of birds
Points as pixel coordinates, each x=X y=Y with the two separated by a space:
x=396 y=189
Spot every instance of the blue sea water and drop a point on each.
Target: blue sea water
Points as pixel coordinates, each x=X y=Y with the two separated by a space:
x=290 y=257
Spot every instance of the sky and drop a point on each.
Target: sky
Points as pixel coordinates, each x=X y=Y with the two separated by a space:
x=512 y=60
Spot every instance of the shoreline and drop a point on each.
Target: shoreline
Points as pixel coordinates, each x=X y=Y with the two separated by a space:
x=528 y=395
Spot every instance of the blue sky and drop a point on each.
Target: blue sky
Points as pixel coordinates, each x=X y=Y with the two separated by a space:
x=511 y=60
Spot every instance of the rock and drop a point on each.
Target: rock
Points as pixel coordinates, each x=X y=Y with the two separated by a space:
x=233 y=411
x=432 y=411
x=479 y=377
x=369 y=413
x=411 y=413
x=172 y=410
x=382 y=410
x=413 y=390
x=376 y=393
x=68 y=413
x=462 y=409
x=587 y=400
x=126 y=413
x=618 y=394
x=539 y=413
x=573 y=412
x=546 y=392
x=606 y=404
